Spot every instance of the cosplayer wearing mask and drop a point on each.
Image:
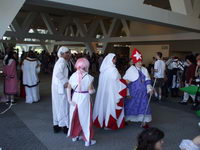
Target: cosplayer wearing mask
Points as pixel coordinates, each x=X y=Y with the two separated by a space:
x=139 y=85
x=80 y=104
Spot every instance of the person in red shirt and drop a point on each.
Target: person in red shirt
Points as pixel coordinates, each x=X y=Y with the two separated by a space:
x=189 y=77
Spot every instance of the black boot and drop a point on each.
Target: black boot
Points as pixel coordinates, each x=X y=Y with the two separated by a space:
x=56 y=129
x=65 y=130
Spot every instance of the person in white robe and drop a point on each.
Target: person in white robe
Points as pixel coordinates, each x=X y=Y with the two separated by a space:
x=30 y=69
x=59 y=93
x=108 y=107
x=80 y=104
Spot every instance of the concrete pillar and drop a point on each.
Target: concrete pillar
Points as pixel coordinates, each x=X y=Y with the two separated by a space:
x=2 y=48
x=91 y=47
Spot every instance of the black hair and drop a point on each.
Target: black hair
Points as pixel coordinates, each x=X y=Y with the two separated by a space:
x=148 y=138
x=191 y=58
x=10 y=56
x=159 y=54
x=31 y=54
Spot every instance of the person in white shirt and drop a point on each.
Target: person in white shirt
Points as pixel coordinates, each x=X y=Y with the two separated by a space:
x=159 y=74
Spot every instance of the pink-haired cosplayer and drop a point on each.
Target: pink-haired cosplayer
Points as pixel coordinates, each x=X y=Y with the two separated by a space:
x=80 y=104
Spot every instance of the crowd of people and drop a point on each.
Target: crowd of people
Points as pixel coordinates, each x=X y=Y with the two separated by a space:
x=123 y=95
x=178 y=72
x=112 y=106
x=26 y=71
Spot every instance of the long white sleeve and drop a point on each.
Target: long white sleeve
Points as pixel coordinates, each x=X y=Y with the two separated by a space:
x=147 y=79
x=69 y=97
x=60 y=74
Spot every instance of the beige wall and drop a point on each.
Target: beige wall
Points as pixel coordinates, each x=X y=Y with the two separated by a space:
x=176 y=48
x=192 y=46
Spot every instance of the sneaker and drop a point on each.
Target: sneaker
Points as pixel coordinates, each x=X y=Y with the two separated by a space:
x=80 y=138
x=183 y=103
x=92 y=142
x=75 y=139
x=89 y=143
x=159 y=98
x=13 y=102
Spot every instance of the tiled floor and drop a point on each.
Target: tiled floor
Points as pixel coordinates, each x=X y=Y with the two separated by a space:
x=34 y=123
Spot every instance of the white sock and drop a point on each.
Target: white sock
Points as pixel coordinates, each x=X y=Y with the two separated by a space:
x=156 y=94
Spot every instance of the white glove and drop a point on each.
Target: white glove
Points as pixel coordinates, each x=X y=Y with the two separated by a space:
x=69 y=97
x=149 y=88
x=92 y=91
